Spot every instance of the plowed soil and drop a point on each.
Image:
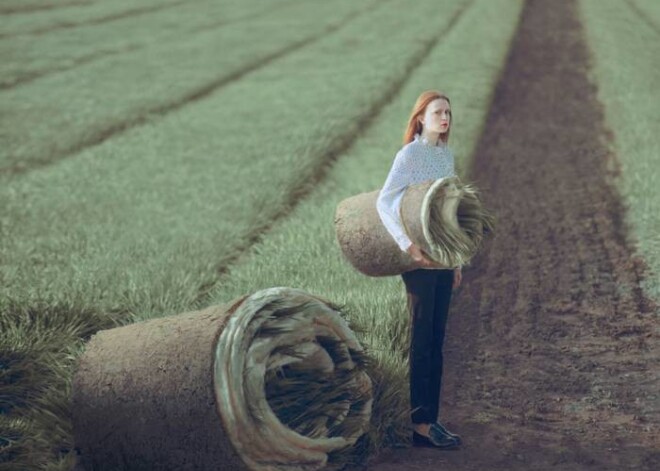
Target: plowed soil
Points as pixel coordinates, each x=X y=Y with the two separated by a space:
x=552 y=352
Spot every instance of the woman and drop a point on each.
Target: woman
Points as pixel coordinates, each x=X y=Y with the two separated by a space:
x=424 y=156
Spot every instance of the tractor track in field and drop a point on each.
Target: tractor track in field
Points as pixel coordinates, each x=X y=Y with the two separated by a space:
x=643 y=16
x=250 y=16
x=157 y=112
x=29 y=77
x=97 y=21
x=552 y=347
x=9 y=10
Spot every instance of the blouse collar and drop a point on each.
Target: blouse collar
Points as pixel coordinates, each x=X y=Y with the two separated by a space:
x=425 y=141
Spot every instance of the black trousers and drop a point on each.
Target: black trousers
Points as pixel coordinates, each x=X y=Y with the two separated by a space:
x=429 y=293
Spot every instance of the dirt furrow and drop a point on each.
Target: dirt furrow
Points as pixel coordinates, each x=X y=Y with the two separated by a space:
x=552 y=350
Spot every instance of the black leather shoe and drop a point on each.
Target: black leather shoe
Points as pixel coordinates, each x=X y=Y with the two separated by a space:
x=444 y=431
x=447 y=443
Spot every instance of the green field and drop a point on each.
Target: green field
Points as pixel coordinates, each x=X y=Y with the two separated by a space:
x=179 y=191
x=27 y=58
x=83 y=106
x=625 y=40
x=167 y=159
x=35 y=16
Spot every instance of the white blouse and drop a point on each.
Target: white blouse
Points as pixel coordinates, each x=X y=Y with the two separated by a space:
x=415 y=162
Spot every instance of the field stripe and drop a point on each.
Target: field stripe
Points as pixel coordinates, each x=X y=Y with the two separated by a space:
x=643 y=16
x=41 y=62
x=137 y=11
x=96 y=136
x=19 y=8
x=29 y=76
x=624 y=51
x=26 y=24
x=262 y=11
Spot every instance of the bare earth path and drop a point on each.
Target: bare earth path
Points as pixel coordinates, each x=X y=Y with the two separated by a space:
x=552 y=353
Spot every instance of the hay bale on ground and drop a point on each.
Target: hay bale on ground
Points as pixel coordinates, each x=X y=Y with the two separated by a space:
x=444 y=217
x=274 y=380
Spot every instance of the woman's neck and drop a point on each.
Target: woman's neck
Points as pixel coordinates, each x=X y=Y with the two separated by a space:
x=431 y=138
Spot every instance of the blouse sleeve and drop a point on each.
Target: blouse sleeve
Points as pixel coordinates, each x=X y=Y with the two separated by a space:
x=389 y=200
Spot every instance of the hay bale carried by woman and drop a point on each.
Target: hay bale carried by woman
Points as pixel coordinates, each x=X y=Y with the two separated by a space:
x=444 y=217
x=273 y=380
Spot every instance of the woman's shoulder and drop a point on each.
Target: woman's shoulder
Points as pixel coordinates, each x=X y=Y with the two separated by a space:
x=410 y=146
x=406 y=150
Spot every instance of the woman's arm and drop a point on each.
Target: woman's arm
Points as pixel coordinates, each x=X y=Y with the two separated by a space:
x=389 y=200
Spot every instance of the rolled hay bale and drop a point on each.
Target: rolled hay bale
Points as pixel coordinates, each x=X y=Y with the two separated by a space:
x=444 y=217
x=271 y=381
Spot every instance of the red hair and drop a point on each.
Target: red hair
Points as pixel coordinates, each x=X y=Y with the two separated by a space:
x=414 y=125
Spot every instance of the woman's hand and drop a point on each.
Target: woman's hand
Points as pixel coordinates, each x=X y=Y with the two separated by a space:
x=458 y=277
x=419 y=257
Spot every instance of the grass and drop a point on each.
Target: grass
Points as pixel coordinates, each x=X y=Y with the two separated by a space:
x=625 y=48
x=81 y=107
x=26 y=57
x=105 y=228
x=132 y=228
x=37 y=15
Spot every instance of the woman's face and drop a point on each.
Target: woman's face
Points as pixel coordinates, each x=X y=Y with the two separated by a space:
x=437 y=116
